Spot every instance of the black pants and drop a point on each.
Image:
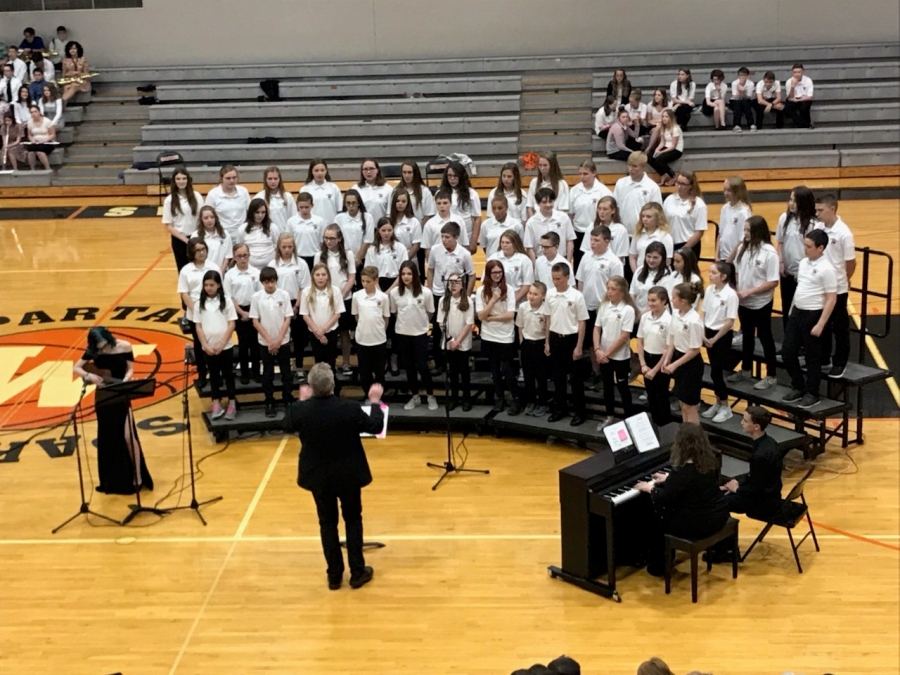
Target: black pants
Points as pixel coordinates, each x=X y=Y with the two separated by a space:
x=179 y=250
x=221 y=366
x=741 y=108
x=326 y=352
x=787 y=287
x=839 y=327
x=797 y=334
x=615 y=376
x=371 y=362
x=299 y=338
x=578 y=253
x=437 y=353
x=683 y=115
x=350 y=499
x=199 y=355
x=657 y=391
x=757 y=322
x=719 y=356
x=760 y=115
x=458 y=374
x=248 y=346
x=283 y=358
x=660 y=162
x=503 y=376
x=309 y=260
x=799 y=113
x=414 y=355
x=534 y=370
x=565 y=371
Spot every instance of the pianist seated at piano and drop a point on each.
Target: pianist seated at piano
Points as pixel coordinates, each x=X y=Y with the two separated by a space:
x=105 y=361
x=687 y=501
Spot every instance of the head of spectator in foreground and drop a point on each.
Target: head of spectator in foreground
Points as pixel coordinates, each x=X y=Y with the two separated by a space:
x=565 y=665
x=321 y=380
x=637 y=163
x=656 y=666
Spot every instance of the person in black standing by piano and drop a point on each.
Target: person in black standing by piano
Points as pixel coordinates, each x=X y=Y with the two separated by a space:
x=688 y=500
x=105 y=361
x=333 y=466
x=758 y=493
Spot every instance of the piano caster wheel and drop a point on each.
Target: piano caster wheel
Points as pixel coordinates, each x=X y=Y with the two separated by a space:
x=551 y=573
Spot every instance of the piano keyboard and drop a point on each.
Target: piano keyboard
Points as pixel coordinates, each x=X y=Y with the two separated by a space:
x=624 y=494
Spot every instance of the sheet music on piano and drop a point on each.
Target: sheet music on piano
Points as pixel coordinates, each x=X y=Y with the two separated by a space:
x=635 y=431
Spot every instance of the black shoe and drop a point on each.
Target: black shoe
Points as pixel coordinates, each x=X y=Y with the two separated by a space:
x=655 y=571
x=514 y=409
x=245 y=379
x=146 y=88
x=557 y=416
x=576 y=421
x=360 y=580
x=451 y=404
x=437 y=371
x=334 y=583
x=808 y=401
x=270 y=410
x=717 y=557
x=837 y=371
x=793 y=396
x=499 y=406
x=466 y=406
x=201 y=384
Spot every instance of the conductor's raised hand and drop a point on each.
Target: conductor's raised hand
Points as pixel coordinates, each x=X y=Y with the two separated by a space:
x=305 y=392
x=375 y=392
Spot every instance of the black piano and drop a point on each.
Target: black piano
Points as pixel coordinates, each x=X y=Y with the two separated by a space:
x=602 y=518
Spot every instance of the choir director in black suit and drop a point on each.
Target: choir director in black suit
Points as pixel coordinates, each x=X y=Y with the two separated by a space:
x=333 y=466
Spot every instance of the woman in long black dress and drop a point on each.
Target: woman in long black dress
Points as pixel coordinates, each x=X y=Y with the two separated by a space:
x=105 y=361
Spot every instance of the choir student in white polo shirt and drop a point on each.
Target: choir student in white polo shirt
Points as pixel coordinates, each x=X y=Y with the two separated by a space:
x=714 y=99
x=372 y=309
x=734 y=213
x=307 y=229
x=215 y=319
x=420 y=197
x=756 y=263
x=270 y=311
x=549 y=175
x=841 y=253
x=532 y=324
x=682 y=359
x=241 y=282
x=793 y=225
x=635 y=190
x=293 y=278
x=548 y=219
x=339 y=258
x=496 y=309
x=652 y=226
x=799 y=92
x=566 y=315
x=612 y=346
x=386 y=254
x=720 y=309
x=808 y=318
x=218 y=242
x=509 y=184
x=499 y=222
x=230 y=200
x=259 y=234
x=457 y=315
x=180 y=211
x=357 y=226
x=686 y=212
x=681 y=94
x=326 y=196
x=407 y=227
x=190 y=285
x=652 y=272
x=321 y=306
x=768 y=99
x=464 y=201
x=431 y=232
x=280 y=202
x=608 y=216
x=518 y=268
x=652 y=340
x=685 y=270
x=374 y=189
x=543 y=266
x=583 y=200
x=413 y=304
x=743 y=98
x=595 y=269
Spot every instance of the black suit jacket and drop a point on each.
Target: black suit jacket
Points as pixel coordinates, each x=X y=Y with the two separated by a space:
x=331 y=452
x=760 y=490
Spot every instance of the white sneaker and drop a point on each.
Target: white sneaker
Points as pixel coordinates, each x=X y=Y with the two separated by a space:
x=432 y=403
x=711 y=411
x=723 y=415
x=412 y=403
x=737 y=339
x=605 y=423
x=642 y=397
x=765 y=383
x=752 y=127
x=737 y=128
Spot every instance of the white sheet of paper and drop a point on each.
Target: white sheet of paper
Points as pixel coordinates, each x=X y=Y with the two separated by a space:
x=642 y=432
x=617 y=436
x=383 y=433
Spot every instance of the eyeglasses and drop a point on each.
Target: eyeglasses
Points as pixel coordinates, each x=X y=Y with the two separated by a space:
x=330 y=238
x=497 y=273
x=454 y=281
x=546 y=246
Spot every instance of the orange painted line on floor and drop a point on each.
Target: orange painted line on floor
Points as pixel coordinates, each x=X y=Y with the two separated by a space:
x=76 y=214
x=858 y=537
x=131 y=287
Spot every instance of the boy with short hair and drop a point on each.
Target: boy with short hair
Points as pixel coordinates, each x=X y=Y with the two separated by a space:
x=307 y=228
x=635 y=190
x=271 y=312
x=372 y=310
x=547 y=219
x=444 y=259
x=799 y=92
x=431 y=231
x=768 y=99
x=532 y=324
x=743 y=94
x=543 y=266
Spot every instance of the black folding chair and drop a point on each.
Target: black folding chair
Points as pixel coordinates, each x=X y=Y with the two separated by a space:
x=165 y=159
x=789 y=516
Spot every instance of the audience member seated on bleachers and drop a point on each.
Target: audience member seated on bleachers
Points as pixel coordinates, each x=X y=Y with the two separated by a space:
x=13 y=135
x=74 y=65
x=768 y=99
x=654 y=666
x=681 y=94
x=9 y=88
x=20 y=69
x=655 y=109
x=743 y=97
x=31 y=43
x=624 y=137
x=40 y=130
x=606 y=117
x=58 y=45
x=714 y=99
x=637 y=111
x=36 y=87
x=51 y=105
x=669 y=148
x=38 y=61
x=799 y=92
x=619 y=87
x=20 y=107
x=565 y=665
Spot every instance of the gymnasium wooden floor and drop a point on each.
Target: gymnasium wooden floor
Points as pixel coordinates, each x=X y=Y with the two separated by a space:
x=461 y=586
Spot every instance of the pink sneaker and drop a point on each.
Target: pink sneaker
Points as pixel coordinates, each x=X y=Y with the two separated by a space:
x=230 y=412
x=217 y=411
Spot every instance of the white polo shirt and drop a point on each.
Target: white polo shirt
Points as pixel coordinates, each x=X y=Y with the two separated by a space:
x=792 y=251
x=413 y=311
x=319 y=308
x=518 y=211
x=355 y=230
x=719 y=306
x=583 y=204
x=214 y=321
x=686 y=331
x=593 y=273
x=271 y=310
x=231 y=209
x=431 y=232
x=755 y=268
x=565 y=310
x=503 y=332
x=185 y=222
x=281 y=209
x=543 y=270
x=538 y=225
x=686 y=93
x=190 y=281
x=749 y=89
x=518 y=270
x=714 y=93
x=387 y=260
x=635 y=113
x=802 y=88
x=327 y=202
x=620 y=244
x=468 y=213
x=631 y=197
x=444 y=263
x=371 y=311
x=241 y=285
x=532 y=321
x=640 y=243
x=612 y=320
x=639 y=289
x=333 y=260
x=292 y=275
x=408 y=232
x=561 y=189
x=684 y=220
x=601 y=119
x=841 y=249
x=654 y=331
x=455 y=322
x=814 y=280
x=491 y=231
x=376 y=198
x=673 y=278
x=307 y=234
x=218 y=249
x=425 y=208
x=731 y=228
x=768 y=93
x=262 y=246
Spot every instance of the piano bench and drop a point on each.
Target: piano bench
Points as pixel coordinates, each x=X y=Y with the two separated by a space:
x=695 y=547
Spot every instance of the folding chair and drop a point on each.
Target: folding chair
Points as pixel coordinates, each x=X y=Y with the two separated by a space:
x=789 y=516
x=164 y=159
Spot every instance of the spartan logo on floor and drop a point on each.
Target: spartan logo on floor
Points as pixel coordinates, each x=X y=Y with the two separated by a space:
x=38 y=388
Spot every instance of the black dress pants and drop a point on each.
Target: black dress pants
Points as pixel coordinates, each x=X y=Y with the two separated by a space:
x=350 y=499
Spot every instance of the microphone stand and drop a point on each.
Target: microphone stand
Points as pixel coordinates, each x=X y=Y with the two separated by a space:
x=84 y=509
